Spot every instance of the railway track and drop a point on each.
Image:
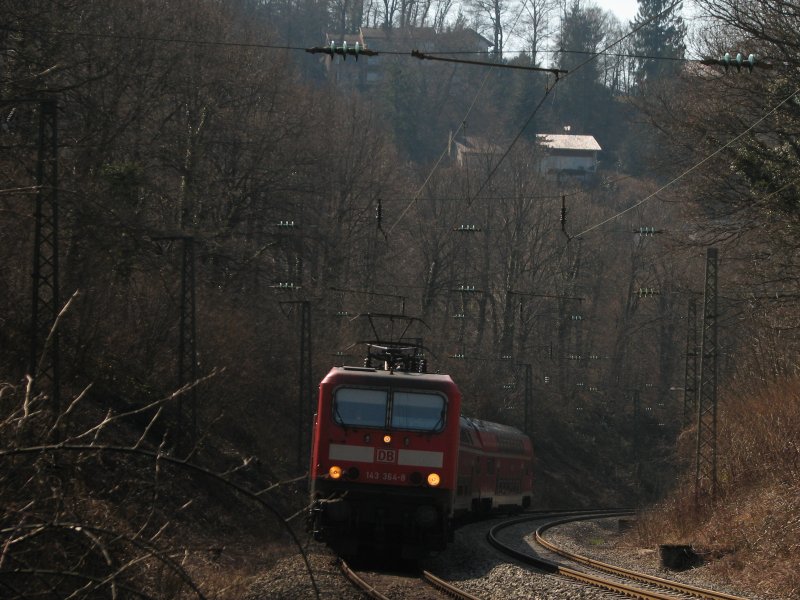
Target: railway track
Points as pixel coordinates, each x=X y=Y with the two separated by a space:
x=596 y=573
x=383 y=586
x=546 y=557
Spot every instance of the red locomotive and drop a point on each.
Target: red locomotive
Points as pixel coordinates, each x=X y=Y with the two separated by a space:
x=393 y=462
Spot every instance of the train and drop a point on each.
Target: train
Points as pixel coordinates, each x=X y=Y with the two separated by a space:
x=394 y=464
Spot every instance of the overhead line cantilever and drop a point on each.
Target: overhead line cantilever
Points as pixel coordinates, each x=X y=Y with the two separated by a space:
x=423 y=56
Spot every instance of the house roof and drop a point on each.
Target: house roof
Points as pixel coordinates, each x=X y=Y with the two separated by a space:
x=350 y=38
x=402 y=32
x=400 y=38
x=567 y=142
x=477 y=145
x=465 y=38
x=406 y=38
x=381 y=38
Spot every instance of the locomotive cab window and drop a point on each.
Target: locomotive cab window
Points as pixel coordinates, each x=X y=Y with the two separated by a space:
x=355 y=407
x=418 y=411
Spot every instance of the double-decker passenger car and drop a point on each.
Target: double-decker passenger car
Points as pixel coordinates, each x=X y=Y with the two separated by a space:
x=495 y=468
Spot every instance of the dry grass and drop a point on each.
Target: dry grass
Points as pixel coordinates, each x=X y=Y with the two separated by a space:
x=229 y=568
x=751 y=535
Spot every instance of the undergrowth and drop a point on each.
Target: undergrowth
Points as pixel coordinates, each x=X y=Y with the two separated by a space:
x=750 y=533
x=92 y=506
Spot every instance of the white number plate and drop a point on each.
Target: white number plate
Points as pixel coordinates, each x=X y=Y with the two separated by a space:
x=392 y=477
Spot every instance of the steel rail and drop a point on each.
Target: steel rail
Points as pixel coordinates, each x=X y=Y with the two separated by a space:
x=597 y=580
x=360 y=583
x=431 y=579
x=635 y=575
x=446 y=588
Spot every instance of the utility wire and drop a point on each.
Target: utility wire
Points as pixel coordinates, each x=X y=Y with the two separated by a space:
x=263 y=46
x=693 y=167
x=566 y=51
x=441 y=157
x=556 y=72
x=527 y=122
x=413 y=53
x=550 y=89
x=422 y=56
x=460 y=127
x=149 y=38
x=431 y=56
x=593 y=56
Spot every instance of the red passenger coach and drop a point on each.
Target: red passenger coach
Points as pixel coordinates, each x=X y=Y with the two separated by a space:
x=495 y=468
x=384 y=460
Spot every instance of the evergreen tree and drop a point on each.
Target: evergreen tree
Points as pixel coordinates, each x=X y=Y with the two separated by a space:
x=660 y=36
x=583 y=101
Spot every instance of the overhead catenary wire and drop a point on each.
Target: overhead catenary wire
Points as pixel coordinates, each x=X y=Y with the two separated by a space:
x=151 y=38
x=424 y=56
x=536 y=109
x=289 y=48
x=556 y=72
x=694 y=167
x=440 y=159
x=548 y=90
x=267 y=46
x=461 y=125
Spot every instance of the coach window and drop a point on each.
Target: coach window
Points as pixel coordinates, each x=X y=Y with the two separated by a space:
x=357 y=407
x=418 y=411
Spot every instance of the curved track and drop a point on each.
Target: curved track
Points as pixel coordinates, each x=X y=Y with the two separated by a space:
x=597 y=573
x=386 y=587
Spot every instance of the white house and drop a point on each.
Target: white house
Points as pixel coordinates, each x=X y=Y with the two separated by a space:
x=568 y=154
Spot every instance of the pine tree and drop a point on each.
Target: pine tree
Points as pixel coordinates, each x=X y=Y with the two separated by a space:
x=583 y=101
x=660 y=36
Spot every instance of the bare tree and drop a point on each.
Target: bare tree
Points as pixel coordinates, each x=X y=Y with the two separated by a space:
x=537 y=22
x=491 y=16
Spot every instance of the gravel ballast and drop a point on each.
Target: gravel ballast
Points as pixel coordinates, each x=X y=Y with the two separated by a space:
x=473 y=565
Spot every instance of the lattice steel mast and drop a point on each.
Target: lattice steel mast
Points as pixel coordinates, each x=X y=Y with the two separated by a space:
x=187 y=344
x=44 y=338
x=690 y=379
x=706 y=471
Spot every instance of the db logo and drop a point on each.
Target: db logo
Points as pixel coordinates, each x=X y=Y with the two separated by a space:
x=386 y=456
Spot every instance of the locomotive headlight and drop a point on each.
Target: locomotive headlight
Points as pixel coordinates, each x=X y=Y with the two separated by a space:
x=387 y=439
x=335 y=472
x=434 y=479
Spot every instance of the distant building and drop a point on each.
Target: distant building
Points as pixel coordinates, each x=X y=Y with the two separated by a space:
x=571 y=155
x=562 y=155
x=474 y=152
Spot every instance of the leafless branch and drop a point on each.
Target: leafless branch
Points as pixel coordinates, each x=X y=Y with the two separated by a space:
x=52 y=331
x=182 y=463
x=280 y=483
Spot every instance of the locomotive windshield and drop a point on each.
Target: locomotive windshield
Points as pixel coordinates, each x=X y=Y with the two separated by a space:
x=415 y=410
x=365 y=407
x=360 y=407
